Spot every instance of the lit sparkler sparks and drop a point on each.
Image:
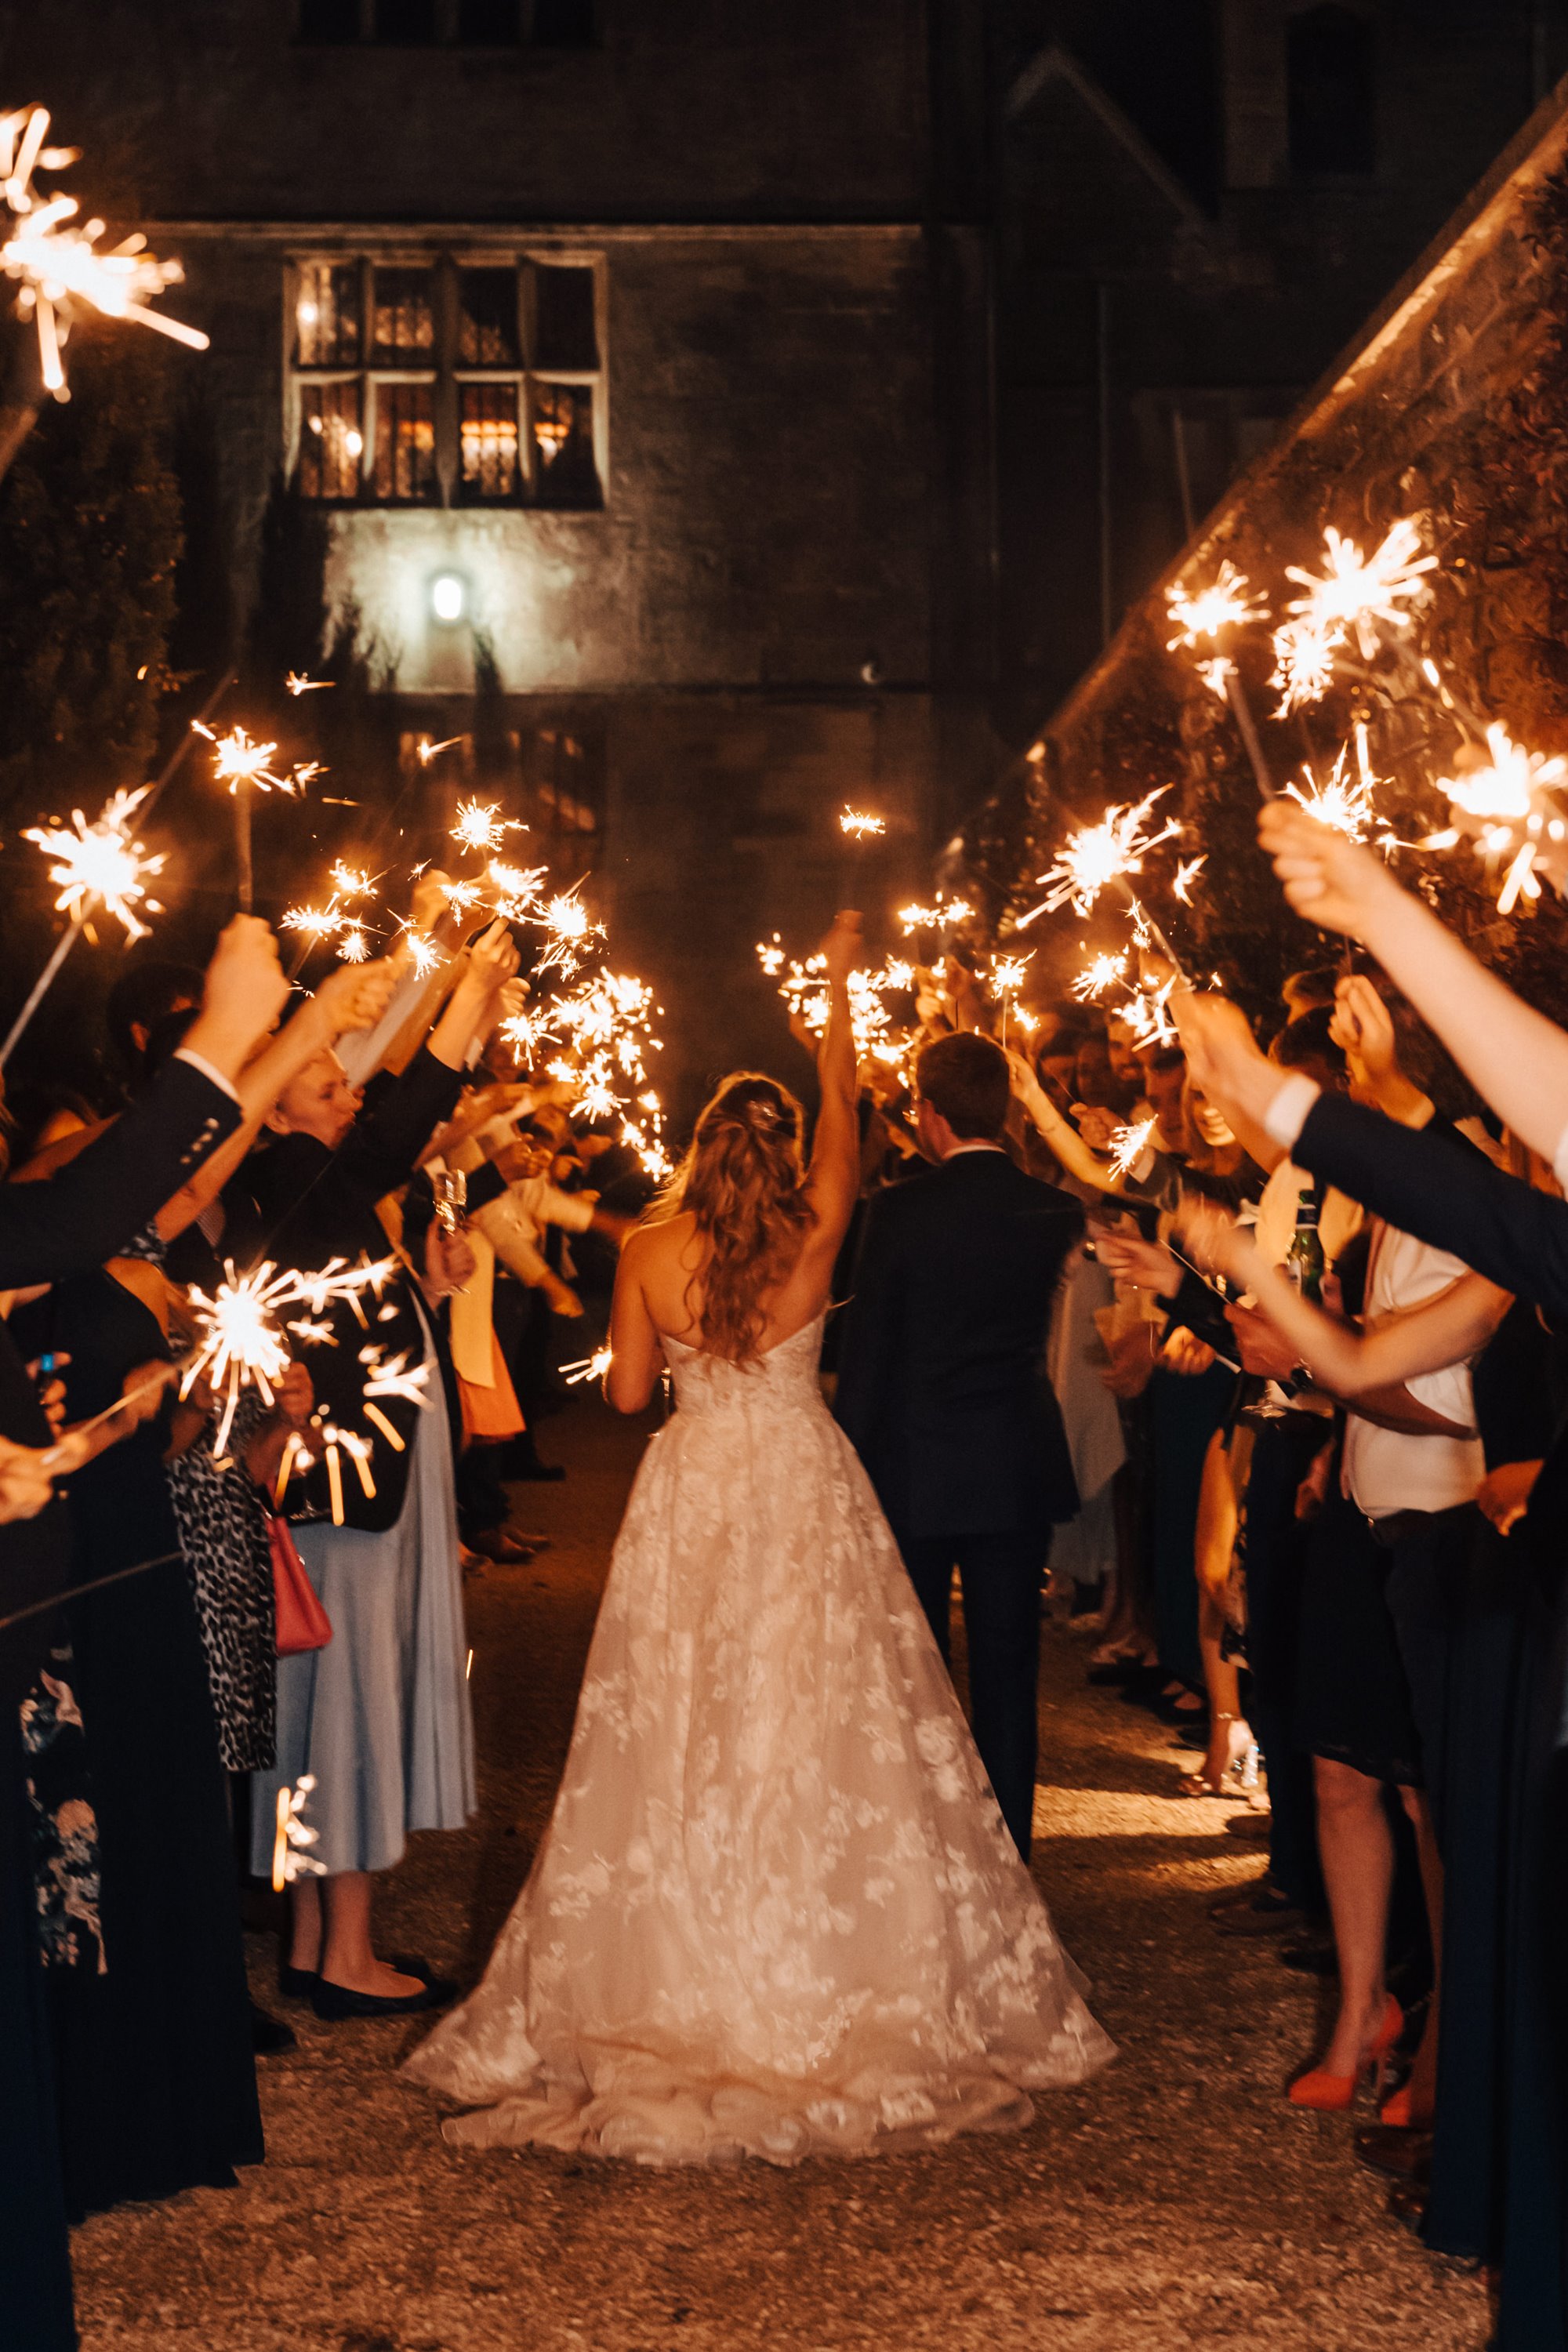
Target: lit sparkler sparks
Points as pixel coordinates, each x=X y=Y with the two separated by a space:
x=429 y=750
x=1102 y=972
x=1359 y=593
x=945 y=916
x=860 y=825
x=55 y=260
x=1008 y=974
x=1304 y=654
x=804 y=987
x=102 y=862
x=297 y=683
x=424 y=953
x=351 y=882
x=238 y=760
x=353 y=947
x=1225 y=604
x=517 y=888
x=1100 y=854
x=397 y=1378
x=289 y=1857
x=1341 y=801
x=315 y=922
x=479 y=824
x=1128 y=1145
x=1505 y=788
x=1186 y=874
x=587 y=1368
x=240 y=1342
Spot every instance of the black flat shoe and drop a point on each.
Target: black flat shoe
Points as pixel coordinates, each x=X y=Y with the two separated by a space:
x=269 y=2035
x=334 y=2002
x=295 y=1984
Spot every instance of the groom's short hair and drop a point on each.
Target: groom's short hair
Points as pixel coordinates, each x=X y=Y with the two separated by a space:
x=965 y=1079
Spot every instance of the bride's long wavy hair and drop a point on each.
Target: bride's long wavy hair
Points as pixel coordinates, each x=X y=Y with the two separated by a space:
x=744 y=1179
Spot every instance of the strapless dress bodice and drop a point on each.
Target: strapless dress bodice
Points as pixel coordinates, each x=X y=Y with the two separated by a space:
x=781 y=1380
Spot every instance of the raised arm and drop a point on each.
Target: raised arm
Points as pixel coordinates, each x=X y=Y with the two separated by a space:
x=833 y=1178
x=1514 y=1056
x=1448 y=1329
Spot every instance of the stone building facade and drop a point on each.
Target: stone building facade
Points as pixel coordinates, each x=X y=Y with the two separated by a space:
x=767 y=408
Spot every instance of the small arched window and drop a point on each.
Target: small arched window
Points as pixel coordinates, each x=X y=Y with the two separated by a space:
x=1331 y=69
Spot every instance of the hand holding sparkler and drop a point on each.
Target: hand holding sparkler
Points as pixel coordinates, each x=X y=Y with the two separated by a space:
x=243 y=994
x=26 y=1476
x=843 y=946
x=1328 y=877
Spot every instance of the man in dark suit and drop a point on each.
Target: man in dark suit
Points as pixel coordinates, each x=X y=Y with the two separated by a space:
x=942 y=1391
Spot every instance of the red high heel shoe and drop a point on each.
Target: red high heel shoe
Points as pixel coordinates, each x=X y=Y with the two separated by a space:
x=1328 y=2093
x=1400 y=2113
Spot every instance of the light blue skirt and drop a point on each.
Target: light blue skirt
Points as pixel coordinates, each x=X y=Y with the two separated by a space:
x=380 y=1716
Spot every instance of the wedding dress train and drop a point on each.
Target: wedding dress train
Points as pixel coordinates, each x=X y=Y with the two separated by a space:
x=775 y=1911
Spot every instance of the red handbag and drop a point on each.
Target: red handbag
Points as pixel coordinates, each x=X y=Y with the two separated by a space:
x=302 y=1622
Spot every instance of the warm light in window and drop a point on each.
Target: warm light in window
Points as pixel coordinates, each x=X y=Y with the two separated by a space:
x=315 y=422
x=353 y=442
x=309 y=314
x=446 y=596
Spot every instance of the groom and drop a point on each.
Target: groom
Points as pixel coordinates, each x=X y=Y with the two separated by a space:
x=942 y=1391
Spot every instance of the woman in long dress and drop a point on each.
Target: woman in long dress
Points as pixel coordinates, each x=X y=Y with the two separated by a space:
x=776 y=1911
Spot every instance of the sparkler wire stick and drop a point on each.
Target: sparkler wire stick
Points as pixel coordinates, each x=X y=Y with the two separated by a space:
x=80 y=1592
x=1241 y=711
x=42 y=985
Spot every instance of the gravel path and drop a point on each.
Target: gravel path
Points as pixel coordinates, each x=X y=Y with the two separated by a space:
x=1174 y=2203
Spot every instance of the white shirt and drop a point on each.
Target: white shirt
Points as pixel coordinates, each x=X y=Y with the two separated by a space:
x=1384 y=1470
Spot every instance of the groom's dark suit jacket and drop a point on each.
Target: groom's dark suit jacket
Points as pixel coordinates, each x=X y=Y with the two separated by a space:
x=942 y=1389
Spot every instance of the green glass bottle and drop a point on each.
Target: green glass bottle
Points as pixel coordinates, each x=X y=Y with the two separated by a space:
x=1304 y=1258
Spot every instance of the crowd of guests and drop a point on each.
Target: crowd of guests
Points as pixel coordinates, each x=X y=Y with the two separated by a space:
x=202 y=1611
x=1310 y=1361
x=1311 y=1384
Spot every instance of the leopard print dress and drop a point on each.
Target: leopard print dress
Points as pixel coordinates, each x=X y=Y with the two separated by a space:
x=222 y=1534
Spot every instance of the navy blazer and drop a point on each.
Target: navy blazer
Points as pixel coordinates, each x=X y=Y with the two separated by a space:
x=941 y=1386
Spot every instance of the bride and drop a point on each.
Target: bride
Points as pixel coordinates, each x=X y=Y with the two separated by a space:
x=776 y=1912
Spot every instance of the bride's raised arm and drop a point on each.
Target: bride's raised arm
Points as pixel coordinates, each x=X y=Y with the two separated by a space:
x=833 y=1179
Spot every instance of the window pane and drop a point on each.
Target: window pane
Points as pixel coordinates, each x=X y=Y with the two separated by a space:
x=486 y=318
x=332 y=440
x=564 y=333
x=408 y=21
x=404 y=327
x=487 y=414
x=564 y=23
x=405 y=442
x=327 y=21
x=326 y=314
x=488 y=24
x=563 y=444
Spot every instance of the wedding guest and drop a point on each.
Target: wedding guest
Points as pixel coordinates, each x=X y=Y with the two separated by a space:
x=941 y=1392
x=379 y=1717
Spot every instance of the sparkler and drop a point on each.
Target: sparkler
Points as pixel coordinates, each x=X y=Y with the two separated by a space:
x=350 y=881
x=587 y=1368
x=239 y=761
x=860 y=826
x=289 y=1857
x=424 y=953
x=315 y=922
x=805 y=990
x=1186 y=874
x=945 y=916
x=1341 y=801
x=100 y=865
x=1099 y=855
x=1101 y=973
x=1225 y=604
x=1361 y=594
x=297 y=683
x=429 y=750
x=1201 y=618
x=353 y=947
x=1128 y=1146
x=101 y=861
x=479 y=824
x=239 y=1343
x=55 y=260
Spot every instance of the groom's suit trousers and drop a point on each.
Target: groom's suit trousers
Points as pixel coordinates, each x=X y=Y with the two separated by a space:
x=999 y=1576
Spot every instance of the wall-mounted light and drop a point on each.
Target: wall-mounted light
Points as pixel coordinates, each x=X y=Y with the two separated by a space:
x=449 y=597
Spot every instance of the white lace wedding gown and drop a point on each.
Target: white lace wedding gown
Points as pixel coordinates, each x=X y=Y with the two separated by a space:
x=776 y=1912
